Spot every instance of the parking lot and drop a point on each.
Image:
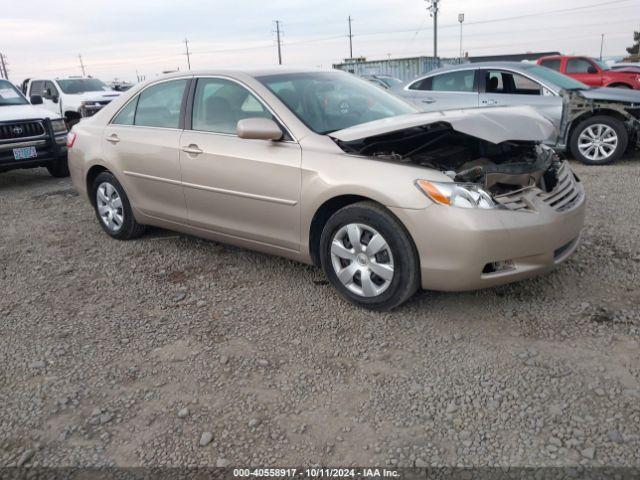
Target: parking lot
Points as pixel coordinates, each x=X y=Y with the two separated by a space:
x=131 y=353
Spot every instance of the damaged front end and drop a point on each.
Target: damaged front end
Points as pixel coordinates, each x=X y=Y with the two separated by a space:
x=510 y=174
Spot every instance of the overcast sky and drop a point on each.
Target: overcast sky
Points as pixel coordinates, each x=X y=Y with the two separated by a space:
x=117 y=38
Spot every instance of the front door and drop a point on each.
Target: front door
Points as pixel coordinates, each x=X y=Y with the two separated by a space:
x=504 y=88
x=243 y=188
x=142 y=142
x=584 y=70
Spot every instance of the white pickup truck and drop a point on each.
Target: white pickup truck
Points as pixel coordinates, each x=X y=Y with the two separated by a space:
x=70 y=97
x=30 y=136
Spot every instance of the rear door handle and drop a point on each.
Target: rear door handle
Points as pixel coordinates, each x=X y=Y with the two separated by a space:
x=192 y=149
x=489 y=102
x=113 y=138
x=429 y=100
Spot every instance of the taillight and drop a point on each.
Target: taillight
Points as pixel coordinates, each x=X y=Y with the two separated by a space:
x=71 y=139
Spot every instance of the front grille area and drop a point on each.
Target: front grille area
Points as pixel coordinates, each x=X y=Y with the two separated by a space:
x=19 y=130
x=562 y=198
x=566 y=194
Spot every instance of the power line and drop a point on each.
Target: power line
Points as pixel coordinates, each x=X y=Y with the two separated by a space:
x=186 y=44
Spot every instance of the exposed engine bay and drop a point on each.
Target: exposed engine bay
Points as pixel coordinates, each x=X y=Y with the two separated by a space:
x=499 y=168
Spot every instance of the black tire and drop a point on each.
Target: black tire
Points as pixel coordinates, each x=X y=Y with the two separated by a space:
x=59 y=168
x=406 y=268
x=129 y=228
x=615 y=124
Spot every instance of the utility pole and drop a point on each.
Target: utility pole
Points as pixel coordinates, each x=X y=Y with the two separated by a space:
x=278 y=39
x=186 y=44
x=3 y=67
x=461 y=19
x=350 y=39
x=433 y=10
x=82 y=65
x=601 y=43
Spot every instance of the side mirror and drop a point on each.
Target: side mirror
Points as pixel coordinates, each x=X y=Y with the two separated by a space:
x=54 y=98
x=257 y=128
x=592 y=69
x=35 y=100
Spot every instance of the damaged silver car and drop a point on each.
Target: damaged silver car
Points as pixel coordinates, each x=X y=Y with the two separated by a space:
x=596 y=125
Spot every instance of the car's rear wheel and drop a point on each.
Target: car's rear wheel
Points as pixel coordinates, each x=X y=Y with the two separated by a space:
x=369 y=257
x=113 y=209
x=59 y=168
x=599 y=140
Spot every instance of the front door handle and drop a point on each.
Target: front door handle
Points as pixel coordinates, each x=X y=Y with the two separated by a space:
x=113 y=138
x=429 y=100
x=489 y=101
x=192 y=149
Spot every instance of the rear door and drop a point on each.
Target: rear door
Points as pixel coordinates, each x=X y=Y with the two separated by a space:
x=142 y=142
x=506 y=88
x=444 y=91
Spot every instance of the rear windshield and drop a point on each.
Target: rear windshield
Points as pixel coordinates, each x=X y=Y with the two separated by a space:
x=9 y=95
x=81 y=85
x=330 y=101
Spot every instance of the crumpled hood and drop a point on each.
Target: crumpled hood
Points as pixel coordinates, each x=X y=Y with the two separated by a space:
x=494 y=124
x=24 y=112
x=625 y=95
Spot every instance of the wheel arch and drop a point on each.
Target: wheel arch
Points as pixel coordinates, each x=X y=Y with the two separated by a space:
x=324 y=212
x=618 y=85
x=91 y=176
x=592 y=113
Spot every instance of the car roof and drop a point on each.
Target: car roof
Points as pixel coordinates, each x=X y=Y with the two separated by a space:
x=473 y=66
x=250 y=72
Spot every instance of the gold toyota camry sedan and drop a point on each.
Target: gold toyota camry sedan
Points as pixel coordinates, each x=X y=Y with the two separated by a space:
x=325 y=168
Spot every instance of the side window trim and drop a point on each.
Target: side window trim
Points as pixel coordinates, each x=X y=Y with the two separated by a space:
x=288 y=136
x=135 y=98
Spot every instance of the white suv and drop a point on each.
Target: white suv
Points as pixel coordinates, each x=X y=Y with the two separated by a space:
x=30 y=136
x=71 y=97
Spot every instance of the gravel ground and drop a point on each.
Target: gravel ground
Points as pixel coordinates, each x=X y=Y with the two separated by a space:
x=171 y=350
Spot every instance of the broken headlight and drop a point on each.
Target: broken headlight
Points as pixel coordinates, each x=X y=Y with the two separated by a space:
x=461 y=195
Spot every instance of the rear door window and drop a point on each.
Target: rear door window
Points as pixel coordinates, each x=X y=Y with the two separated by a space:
x=160 y=105
x=461 y=81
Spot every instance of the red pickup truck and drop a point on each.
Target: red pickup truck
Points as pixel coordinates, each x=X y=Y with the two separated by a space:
x=592 y=72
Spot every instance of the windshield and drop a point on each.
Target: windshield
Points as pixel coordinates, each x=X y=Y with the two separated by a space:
x=9 y=95
x=556 y=78
x=81 y=85
x=330 y=101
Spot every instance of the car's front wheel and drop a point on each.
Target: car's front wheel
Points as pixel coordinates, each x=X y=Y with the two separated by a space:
x=599 y=140
x=369 y=257
x=113 y=209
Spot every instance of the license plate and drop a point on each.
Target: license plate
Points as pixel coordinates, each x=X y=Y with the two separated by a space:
x=23 y=153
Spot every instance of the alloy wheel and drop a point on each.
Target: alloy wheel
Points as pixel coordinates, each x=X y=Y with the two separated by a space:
x=362 y=259
x=109 y=206
x=598 y=142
